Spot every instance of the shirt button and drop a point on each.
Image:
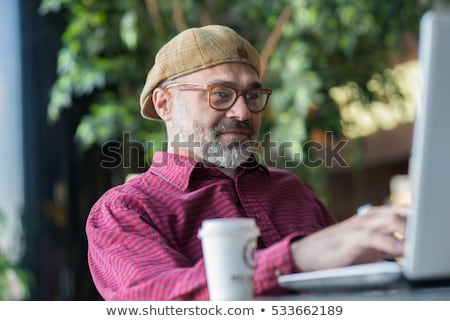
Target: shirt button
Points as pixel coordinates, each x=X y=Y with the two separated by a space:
x=259 y=218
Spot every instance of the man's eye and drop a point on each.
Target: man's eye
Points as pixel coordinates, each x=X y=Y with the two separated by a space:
x=221 y=94
x=253 y=95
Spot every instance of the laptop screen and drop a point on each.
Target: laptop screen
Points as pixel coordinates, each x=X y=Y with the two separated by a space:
x=428 y=232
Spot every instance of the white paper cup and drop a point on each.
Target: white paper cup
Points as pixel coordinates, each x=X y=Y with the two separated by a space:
x=229 y=246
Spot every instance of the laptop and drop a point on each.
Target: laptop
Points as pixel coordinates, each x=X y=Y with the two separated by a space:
x=427 y=239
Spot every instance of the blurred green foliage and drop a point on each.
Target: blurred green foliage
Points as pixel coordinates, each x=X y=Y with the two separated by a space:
x=109 y=45
x=14 y=281
x=332 y=43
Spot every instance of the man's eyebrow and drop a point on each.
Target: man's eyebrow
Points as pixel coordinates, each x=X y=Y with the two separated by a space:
x=255 y=84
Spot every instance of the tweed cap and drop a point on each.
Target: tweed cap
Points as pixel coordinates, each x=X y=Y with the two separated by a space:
x=192 y=50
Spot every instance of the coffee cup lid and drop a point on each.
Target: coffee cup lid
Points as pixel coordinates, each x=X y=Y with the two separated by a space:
x=219 y=226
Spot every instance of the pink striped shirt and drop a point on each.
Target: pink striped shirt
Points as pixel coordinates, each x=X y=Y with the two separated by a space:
x=142 y=235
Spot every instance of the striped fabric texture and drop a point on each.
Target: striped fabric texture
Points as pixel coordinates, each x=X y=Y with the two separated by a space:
x=142 y=235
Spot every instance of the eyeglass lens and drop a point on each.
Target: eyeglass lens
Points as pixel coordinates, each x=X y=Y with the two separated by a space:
x=222 y=97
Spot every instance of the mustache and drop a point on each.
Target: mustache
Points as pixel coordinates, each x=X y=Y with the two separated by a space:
x=232 y=124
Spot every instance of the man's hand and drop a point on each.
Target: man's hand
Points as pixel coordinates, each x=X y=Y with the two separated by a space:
x=371 y=237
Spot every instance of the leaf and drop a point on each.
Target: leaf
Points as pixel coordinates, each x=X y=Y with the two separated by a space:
x=128 y=29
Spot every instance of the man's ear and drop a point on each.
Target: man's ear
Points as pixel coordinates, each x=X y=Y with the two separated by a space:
x=161 y=101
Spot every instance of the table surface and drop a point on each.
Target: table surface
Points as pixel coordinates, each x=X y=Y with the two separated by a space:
x=404 y=292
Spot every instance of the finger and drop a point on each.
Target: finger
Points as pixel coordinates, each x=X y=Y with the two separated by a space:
x=382 y=230
x=398 y=228
x=387 y=244
x=382 y=220
x=403 y=210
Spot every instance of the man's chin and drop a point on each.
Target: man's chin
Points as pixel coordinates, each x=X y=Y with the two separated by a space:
x=227 y=153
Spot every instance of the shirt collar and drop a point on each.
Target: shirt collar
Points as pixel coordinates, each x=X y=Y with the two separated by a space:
x=178 y=170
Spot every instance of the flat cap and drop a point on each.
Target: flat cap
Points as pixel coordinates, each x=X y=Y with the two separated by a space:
x=192 y=50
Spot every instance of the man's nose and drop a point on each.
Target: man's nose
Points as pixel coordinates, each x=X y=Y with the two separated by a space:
x=239 y=110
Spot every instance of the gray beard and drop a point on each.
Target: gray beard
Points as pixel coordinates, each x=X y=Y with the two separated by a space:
x=206 y=145
x=225 y=155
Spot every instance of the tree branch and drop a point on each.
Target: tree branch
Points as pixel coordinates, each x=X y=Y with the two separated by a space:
x=155 y=18
x=177 y=15
x=273 y=39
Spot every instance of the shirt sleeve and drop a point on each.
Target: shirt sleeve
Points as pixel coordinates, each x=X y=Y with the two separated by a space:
x=130 y=260
x=270 y=263
x=277 y=260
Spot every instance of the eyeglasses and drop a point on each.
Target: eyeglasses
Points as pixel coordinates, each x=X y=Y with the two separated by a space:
x=221 y=97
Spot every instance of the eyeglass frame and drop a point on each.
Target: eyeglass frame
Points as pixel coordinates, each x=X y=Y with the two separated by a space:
x=209 y=87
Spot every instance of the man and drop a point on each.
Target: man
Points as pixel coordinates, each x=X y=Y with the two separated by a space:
x=205 y=85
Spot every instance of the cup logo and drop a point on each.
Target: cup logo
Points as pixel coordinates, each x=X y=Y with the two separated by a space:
x=249 y=253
